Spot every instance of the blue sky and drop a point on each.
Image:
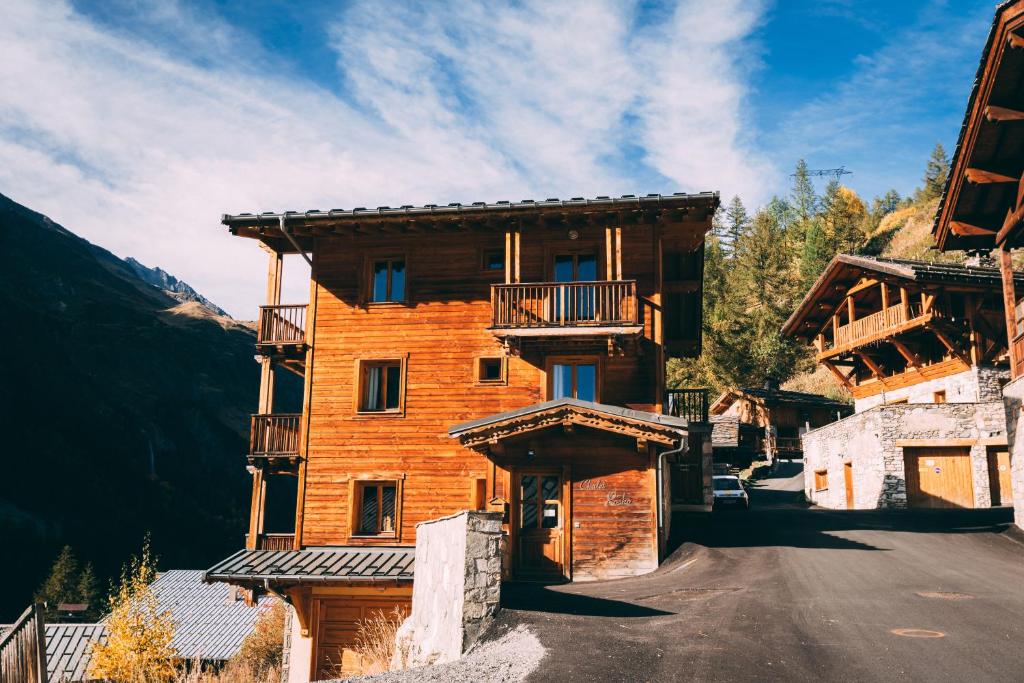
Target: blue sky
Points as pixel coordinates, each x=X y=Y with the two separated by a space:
x=137 y=123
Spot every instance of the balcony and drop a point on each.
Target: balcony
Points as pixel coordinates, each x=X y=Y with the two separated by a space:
x=565 y=308
x=274 y=438
x=281 y=334
x=885 y=323
x=691 y=404
x=788 y=444
x=273 y=541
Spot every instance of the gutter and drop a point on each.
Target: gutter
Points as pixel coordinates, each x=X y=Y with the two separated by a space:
x=291 y=238
x=660 y=477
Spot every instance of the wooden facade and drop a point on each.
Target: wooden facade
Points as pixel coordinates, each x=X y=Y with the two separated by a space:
x=420 y=319
x=880 y=325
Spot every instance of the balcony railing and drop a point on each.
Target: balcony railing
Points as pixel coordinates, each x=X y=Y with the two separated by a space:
x=691 y=404
x=875 y=325
x=609 y=303
x=281 y=325
x=788 y=444
x=273 y=541
x=274 y=435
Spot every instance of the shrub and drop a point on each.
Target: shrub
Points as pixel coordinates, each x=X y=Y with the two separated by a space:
x=262 y=649
x=375 y=640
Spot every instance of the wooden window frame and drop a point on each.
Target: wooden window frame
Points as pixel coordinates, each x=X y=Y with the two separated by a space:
x=820 y=476
x=478 y=366
x=389 y=256
x=484 y=252
x=362 y=365
x=355 y=498
x=551 y=361
x=577 y=248
x=939 y=396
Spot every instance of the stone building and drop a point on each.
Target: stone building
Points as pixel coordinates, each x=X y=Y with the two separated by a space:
x=918 y=346
x=982 y=205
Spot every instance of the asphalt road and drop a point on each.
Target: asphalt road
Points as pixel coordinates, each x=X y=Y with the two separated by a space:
x=787 y=593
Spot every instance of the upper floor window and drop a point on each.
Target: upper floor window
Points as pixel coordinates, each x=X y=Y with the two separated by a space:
x=574 y=379
x=380 y=386
x=388 y=280
x=494 y=259
x=377 y=507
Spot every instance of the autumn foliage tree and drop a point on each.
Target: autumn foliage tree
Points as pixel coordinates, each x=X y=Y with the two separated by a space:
x=138 y=646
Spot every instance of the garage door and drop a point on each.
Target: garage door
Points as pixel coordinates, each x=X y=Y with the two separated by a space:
x=337 y=629
x=939 y=477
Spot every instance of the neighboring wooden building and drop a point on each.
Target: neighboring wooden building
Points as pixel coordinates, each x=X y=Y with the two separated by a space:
x=982 y=207
x=508 y=357
x=772 y=420
x=919 y=346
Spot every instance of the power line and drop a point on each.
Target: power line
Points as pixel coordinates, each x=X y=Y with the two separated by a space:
x=836 y=173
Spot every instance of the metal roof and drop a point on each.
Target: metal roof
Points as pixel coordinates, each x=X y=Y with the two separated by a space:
x=69 y=650
x=627 y=413
x=210 y=621
x=316 y=565
x=626 y=201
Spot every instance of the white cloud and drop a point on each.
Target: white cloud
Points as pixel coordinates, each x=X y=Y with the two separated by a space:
x=135 y=146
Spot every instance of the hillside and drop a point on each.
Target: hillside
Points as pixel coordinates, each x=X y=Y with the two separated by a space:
x=161 y=279
x=123 y=410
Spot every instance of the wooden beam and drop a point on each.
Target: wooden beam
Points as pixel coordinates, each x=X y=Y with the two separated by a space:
x=516 y=259
x=508 y=257
x=905 y=302
x=1014 y=40
x=962 y=229
x=851 y=310
x=257 y=504
x=999 y=114
x=1009 y=305
x=912 y=358
x=948 y=343
x=875 y=368
x=819 y=342
x=1011 y=225
x=608 y=253
x=885 y=295
x=864 y=283
x=835 y=371
x=980 y=176
x=618 y=253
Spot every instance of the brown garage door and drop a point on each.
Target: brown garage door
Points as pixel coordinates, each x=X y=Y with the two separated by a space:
x=939 y=477
x=337 y=628
x=999 y=476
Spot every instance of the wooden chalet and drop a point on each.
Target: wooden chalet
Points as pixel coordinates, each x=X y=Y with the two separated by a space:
x=919 y=346
x=508 y=357
x=771 y=420
x=982 y=207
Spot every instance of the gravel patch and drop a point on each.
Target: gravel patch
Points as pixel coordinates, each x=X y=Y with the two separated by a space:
x=506 y=659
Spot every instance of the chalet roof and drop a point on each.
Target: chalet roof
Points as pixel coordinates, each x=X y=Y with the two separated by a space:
x=637 y=423
x=69 y=650
x=315 y=565
x=210 y=622
x=845 y=270
x=972 y=209
x=763 y=395
x=725 y=431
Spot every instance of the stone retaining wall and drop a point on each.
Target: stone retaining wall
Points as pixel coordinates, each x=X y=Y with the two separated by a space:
x=980 y=384
x=868 y=440
x=1013 y=404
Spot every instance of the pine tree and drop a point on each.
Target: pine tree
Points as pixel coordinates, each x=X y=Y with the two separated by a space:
x=737 y=222
x=61 y=586
x=87 y=590
x=817 y=252
x=803 y=203
x=935 y=173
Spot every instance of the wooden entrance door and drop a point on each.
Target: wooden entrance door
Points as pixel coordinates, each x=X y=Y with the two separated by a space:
x=337 y=624
x=541 y=524
x=848 y=479
x=999 y=476
x=939 y=477
x=578 y=302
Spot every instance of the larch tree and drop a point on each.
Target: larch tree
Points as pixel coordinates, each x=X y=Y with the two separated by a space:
x=737 y=222
x=935 y=173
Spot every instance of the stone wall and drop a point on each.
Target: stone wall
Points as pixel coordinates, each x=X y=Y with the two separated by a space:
x=1013 y=404
x=457 y=587
x=868 y=440
x=980 y=384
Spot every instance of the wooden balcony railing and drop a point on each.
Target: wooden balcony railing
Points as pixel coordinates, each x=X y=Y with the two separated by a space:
x=282 y=325
x=23 y=648
x=564 y=304
x=788 y=443
x=691 y=404
x=273 y=541
x=1017 y=355
x=274 y=435
x=874 y=325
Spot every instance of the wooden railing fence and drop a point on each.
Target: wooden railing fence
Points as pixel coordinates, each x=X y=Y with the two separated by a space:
x=274 y=434
x=274 y=541
x=23 y=649
x=691 y=404
x=282 y=324
x=564 y=304
x=873 y=324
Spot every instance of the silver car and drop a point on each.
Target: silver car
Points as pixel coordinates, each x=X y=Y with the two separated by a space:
x=729 y=491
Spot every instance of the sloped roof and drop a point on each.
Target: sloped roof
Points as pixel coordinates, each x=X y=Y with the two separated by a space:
x=844 y=270
x=635 y=423
x=315 y=565
x=69 y=650
x=210 y=623
x=763 y=395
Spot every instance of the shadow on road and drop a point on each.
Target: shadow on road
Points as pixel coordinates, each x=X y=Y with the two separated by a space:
x=538 y=598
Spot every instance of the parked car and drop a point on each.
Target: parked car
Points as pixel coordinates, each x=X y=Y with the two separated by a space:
x=729 y=491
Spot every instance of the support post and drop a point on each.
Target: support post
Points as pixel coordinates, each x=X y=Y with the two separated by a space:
x=905 y=302
x=508 y=257
x=256 y=510
x=885 y=296
x=1010 y=306
x=851 y=310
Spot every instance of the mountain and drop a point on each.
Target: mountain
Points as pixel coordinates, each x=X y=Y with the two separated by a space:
x=161 y=279
x=122 y=410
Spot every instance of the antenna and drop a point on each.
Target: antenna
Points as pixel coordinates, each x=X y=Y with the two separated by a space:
x=836 y=173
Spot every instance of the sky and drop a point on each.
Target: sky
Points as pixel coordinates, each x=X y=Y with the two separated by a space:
x=137 y=123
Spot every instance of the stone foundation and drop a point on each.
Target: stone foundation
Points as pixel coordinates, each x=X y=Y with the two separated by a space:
x=457 y=588
x=980 y=384
x=869 y=440
x=1013 y=404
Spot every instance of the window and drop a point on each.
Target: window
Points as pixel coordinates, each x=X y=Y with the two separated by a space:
x=540 y=501
x=381 y=386
x=940 y=396
x=387 y=280
x=490 y=370
x=573 y=379
x=493 y=259
x=820 y=480
x=898 y=401
x=376 y=507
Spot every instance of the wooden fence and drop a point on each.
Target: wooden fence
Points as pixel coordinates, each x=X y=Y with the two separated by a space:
x=23 y=649
x=274 y=434
x=564 y=304
x=283 y=324
x=691 y=404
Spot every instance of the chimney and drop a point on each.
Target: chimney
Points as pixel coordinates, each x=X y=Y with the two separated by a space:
x=771 y=384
